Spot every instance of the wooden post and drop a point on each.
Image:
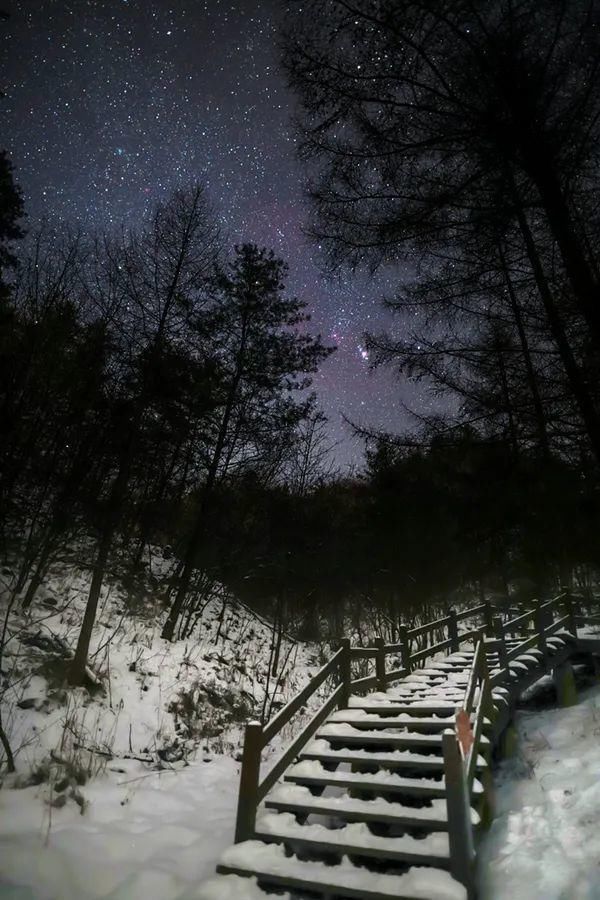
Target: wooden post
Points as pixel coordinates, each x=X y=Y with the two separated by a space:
x=453 y=631
x=403 y=635
x=460 y=831
x=488 y=618
x=538 y=619
x=500 y=638
x=569 y=608
x=249 y=780
x=564 y=682
x=345 y=673
x=380 y=664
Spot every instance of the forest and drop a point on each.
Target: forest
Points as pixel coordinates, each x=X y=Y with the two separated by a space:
x=155 y=382
x=182 y=549
x=155 y=385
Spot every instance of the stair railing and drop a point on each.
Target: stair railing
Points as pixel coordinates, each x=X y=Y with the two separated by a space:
x=258 y=736
x=460 y=747
x=546 y=619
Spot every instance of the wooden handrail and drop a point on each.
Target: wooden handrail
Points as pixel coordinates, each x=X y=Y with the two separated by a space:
x=474 y=675
x=468 y=613
x=282 y=763
x=421 y=629
x=285 y=714
x=257 y=736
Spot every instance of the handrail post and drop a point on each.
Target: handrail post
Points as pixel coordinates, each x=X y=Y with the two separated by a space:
x=380 y=664
x=460 y=832
x=249 y=781
x=501 y=639
x=403 y=635
x=538 y=618
x=569 y=608
x=453 y=631
x=488 y=618
x=345 y=673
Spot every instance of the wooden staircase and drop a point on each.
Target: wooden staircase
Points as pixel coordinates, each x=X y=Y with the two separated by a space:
x=384 y=794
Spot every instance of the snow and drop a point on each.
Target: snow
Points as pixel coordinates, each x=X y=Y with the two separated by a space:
x=301 y=796
x=544 y=843
x=234 y=887
x=143 y=835
x=345 y=729
x=426 y=883
x=356 y=834
x=322 y=749
x=150 y=827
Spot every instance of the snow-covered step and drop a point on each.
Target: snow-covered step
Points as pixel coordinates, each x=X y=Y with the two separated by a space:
x=354 y=839
x=394 y=759
x=312 y=774
x=423 y=707
x=294 y=798
x=349 y=735
x=270 y=864
x=360 y=718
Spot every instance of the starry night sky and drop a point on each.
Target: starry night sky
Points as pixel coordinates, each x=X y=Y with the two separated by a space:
x=112 y=104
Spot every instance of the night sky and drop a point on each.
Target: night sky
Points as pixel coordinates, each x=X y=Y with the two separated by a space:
x=112 y=104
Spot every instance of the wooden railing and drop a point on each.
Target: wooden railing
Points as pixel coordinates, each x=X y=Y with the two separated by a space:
x=338 y=670
x=531 y=629
x=461 y=744
x=477 y=701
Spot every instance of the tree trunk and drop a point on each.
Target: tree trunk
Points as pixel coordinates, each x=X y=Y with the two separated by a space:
x=540 y=417
x=579 y=271
x=574 y=375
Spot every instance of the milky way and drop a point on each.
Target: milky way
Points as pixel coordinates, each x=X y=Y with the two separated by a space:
x=112 y=104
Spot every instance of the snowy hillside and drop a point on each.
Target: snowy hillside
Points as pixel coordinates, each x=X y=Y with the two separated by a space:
x=141 y=772
x=544 y=843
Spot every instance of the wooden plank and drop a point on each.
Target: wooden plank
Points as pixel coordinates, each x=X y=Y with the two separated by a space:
x=523 y=647
x=523 y=619
x=319 y=806
x=469 y=613
x=285 y=714
x=477 y=732
x=556 y=626
x=364 y=684
x=460 y=829
x=395 y=675
x=320 y=884
x=363 y=783
x=292 y=751
x=429 y=651
x=363 y=652
x=334 y=848
x=474 y=675
x=429 y=626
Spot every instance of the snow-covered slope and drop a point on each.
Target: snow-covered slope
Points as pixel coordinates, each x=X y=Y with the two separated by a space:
x=129 y=791
x=545 y=841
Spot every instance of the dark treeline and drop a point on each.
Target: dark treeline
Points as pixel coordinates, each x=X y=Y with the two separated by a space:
x=139 y=374
x=155 y=383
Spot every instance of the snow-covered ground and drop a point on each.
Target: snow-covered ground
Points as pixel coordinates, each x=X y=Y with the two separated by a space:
x=544 y=843
x=135 y=787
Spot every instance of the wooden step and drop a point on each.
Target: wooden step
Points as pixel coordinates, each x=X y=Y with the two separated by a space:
x=362 y=759
x=394 y=708
x=312 y=774
x=382 y=720
x=348 y=735
x=270 y=864
x=298 y=800
x=354 y=839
